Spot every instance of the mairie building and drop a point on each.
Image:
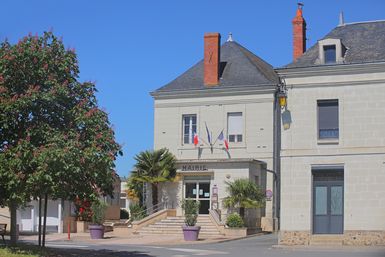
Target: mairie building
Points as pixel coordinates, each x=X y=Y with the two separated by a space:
x=227 y=102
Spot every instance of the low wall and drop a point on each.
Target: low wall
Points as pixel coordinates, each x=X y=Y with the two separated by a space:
x=82 y=226
x=69 y=221
x=5 y=217
x=112 y=212
x=350 y=237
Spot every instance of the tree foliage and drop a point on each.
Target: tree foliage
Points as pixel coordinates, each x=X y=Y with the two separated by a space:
x=243 y=193
x=154 y=167
x=54 y=139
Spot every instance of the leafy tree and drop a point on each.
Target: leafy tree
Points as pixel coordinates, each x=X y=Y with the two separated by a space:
x=243 y=193
x=54 y=140
x=154 y=167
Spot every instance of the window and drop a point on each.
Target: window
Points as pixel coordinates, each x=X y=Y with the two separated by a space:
x=189 y=128
x=235 y=126
x=330 y=53
x=328 y=119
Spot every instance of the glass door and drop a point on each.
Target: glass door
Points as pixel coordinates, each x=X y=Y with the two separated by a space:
x=199 y=191
x=328 y=203
x=204 y=197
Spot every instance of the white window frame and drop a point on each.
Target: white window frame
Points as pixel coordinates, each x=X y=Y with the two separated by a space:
x=191 y=132
x=238 y=138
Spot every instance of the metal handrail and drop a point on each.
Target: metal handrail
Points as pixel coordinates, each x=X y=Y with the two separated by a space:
x=152 y=209
x=215 y=213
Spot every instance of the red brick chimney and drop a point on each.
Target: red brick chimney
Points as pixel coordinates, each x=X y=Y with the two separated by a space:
x=211 y=58
x=299 y=33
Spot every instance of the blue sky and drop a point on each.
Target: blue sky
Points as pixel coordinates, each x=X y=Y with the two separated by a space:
x=130 y=48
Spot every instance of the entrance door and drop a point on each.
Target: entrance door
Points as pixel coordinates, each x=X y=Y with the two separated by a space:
x=199 y=191
x=328 y=202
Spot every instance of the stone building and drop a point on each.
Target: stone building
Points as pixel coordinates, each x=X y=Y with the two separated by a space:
x=333 y=142
x=227 y=102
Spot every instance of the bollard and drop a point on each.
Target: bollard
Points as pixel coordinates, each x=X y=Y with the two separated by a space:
x=69 y=229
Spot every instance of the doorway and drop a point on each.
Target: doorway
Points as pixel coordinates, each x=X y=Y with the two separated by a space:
x=199 y=190
x=328 y=202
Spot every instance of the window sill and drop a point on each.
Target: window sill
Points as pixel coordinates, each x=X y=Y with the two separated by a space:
x=328 y=141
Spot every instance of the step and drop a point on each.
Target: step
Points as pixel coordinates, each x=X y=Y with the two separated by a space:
x=326 y=240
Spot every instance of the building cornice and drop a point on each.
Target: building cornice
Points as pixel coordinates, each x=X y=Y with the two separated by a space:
x=213 y=92
x=215 y=161
x=331 y=70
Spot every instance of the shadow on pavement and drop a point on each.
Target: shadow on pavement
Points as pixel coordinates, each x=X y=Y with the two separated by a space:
x=95 y=253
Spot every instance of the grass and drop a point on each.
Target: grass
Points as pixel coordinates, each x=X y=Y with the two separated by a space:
x=21 y=251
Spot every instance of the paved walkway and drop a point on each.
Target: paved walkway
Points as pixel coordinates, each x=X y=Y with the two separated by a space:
x=129 y=239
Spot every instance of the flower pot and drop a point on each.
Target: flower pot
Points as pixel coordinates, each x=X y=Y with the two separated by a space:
x=191 y=233
x=96 y=231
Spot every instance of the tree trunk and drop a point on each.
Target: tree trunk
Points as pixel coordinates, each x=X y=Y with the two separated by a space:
x=242 y=212
x=39 y=229
x=45 y=218
x=13 y=210
x=155 y=197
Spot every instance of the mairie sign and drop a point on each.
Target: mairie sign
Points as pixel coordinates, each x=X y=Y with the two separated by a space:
x=194 y=167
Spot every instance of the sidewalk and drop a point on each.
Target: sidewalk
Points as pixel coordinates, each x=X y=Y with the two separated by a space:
x=112 y=238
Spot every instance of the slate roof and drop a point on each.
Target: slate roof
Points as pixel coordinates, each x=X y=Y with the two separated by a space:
x=241 y=68
x=365 y=42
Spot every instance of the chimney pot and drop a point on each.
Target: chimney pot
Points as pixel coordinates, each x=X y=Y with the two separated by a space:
x=211 y=58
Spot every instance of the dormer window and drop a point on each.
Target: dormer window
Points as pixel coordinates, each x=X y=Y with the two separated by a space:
x=330 y=54
x=331 y=50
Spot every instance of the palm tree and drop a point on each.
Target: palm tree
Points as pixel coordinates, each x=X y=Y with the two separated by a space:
x=154 y=167
x=243 y=193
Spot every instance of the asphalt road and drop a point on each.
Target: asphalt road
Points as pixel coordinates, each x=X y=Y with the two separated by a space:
x=252 y=246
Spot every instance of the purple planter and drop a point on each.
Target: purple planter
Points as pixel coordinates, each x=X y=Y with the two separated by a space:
x=96 y=231
x=191 y=233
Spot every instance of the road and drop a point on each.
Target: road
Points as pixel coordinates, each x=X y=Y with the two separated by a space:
x=261 y=246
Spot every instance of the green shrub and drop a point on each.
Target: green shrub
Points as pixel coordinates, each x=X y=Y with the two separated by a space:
x=191 y=208
x=98 y=211
x=138 y=212
x=124 y=214
x=234 y=221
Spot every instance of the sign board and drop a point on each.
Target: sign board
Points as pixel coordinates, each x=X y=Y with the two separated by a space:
x=194 y=167
x=269 y=194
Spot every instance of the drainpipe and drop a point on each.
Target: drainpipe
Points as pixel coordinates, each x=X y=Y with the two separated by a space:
x=277 y=159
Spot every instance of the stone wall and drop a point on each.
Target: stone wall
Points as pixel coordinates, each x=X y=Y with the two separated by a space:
x=351 y=237
x=357 y=237
x=294 y=238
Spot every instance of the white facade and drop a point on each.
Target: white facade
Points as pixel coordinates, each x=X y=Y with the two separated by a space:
x=28 y=217
x=217 y=166
x=359 y=150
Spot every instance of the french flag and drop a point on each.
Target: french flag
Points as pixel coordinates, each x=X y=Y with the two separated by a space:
x=221 y=137
x=196 y=139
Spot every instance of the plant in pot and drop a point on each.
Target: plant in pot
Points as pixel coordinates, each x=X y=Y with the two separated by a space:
x=190 y=231
x=96 y=228
x=234 y=220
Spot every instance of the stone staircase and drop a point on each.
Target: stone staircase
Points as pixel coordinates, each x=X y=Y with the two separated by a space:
x=173 y=226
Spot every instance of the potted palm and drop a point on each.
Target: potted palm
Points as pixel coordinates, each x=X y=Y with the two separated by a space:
x=190 y=231
x=243 y=194
x=96 y=228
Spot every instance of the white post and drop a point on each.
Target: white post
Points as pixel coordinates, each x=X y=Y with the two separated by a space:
x=33 y=218
x=60 y=222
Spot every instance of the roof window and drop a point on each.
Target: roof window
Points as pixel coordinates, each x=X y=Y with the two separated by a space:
x=331 y=51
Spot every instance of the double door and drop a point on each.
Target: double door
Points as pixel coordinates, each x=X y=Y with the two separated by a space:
x=328 y=204
x=199 y=191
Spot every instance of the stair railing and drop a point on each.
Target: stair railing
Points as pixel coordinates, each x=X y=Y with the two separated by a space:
x=155 y=208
